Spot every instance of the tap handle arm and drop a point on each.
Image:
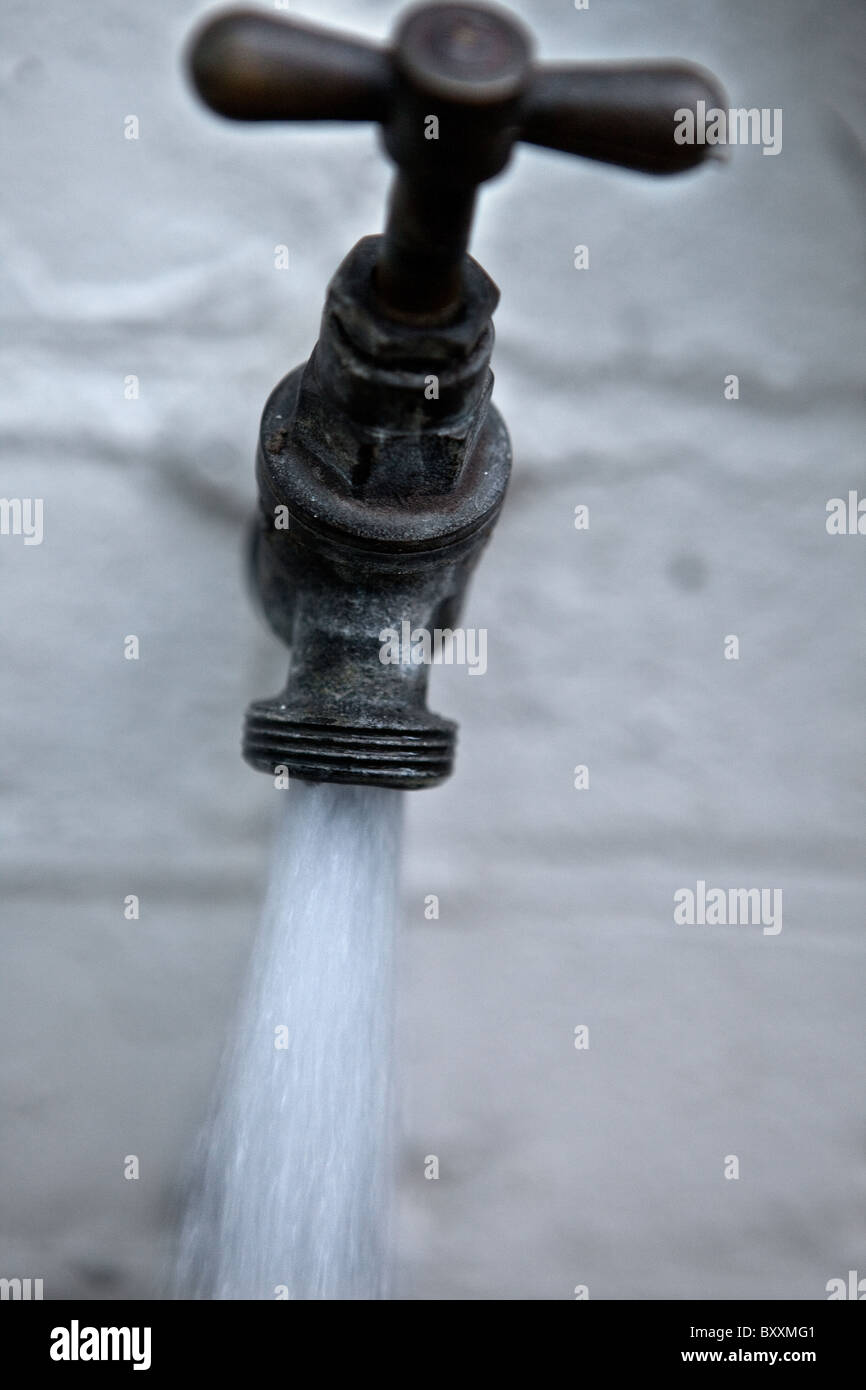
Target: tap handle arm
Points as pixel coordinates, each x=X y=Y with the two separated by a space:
x=252 y=66
x=619 y=113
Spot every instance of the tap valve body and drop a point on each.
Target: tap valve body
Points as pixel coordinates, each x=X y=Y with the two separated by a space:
x=382 y=466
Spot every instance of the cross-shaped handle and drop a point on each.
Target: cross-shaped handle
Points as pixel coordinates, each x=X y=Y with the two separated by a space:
x=453 y=94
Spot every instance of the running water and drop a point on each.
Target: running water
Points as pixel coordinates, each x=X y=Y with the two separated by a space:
x=294 y=1173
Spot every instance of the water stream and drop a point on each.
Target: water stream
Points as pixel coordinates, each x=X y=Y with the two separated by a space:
x=292 y=1192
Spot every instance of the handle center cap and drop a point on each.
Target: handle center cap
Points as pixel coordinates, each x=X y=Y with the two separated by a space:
x=470 y=54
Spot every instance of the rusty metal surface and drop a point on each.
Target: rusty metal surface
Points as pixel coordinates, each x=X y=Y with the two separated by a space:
x=389 y=499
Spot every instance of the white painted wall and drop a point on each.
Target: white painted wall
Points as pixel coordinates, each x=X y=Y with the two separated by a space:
x=155 y=258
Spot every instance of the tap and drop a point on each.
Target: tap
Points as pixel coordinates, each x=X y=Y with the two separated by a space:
x=382 y=462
